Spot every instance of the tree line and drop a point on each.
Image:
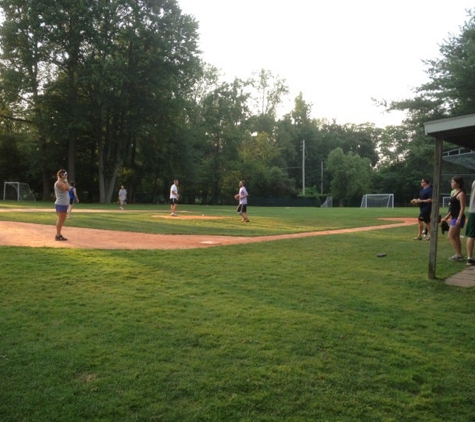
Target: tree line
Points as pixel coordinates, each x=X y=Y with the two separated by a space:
x=115 y=91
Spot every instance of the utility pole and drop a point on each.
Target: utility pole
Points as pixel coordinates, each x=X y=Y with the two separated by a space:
x=321 y=180
x=303 y=167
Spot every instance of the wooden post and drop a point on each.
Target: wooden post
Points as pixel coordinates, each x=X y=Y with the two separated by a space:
x=434 y=217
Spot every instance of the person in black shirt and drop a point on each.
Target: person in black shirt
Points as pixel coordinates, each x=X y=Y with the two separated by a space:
x=456 y=216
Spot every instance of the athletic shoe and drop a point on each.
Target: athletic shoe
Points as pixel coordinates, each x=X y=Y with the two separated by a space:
x=174 y=215
x=458 y=258
x=60 y=237
x=427 y=238
x=470 y=261
x=418 y=238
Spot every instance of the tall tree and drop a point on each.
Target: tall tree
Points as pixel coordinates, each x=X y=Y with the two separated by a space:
x=223 y=118
x=25 y=70
x=110 y=73
x=351 y=175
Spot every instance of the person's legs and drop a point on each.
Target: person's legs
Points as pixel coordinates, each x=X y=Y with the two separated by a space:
x=454 y=237
x=60 y=223
x=470 y=233
x=421 y=228
x=240 y=211
x=470 y=241
x=244 y=214
x=173 y=206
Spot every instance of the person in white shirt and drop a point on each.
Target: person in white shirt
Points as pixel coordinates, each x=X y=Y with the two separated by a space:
x=174 y=195
x=122 y=197
x=61 y=191
x=242 y=197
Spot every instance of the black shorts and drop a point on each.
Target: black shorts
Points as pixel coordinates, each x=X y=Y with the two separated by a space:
x=241 y=208
x=173 y=201
x=71 y=201
x=425 y=217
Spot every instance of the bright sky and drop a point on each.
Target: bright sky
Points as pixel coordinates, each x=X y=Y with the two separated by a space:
x=339 y=53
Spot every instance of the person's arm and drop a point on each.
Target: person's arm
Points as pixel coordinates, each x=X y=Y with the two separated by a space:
x=424 y=201
x=463 y=200
x=76 y=195
x=63 y=184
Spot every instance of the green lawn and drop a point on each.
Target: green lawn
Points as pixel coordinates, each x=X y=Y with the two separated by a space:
x=312 y=329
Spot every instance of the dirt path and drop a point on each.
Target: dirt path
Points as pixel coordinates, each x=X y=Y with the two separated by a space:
x=40 y=236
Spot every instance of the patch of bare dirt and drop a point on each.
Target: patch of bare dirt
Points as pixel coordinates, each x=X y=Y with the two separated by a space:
x=41 y=236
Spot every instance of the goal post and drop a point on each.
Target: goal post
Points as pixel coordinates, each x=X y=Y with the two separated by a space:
x=328 y=203
x=17 y=191
x=378 y=200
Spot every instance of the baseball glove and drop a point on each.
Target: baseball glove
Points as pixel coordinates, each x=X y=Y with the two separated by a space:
x=236 y=196
x=414 y=202
x=444 y=226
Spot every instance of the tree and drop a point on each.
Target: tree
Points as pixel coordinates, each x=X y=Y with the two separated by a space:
x=351 y=175
x=223 y=117
x=270 y=91
x=449 y=92
x=98 y=78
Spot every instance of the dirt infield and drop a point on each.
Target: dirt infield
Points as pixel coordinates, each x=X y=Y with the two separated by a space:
x=42 y=236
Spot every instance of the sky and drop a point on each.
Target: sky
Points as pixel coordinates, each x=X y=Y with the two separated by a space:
x=340 y=54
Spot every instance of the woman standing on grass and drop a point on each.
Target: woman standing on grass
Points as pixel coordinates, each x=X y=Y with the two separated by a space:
x=61 y=190
x=456 y=216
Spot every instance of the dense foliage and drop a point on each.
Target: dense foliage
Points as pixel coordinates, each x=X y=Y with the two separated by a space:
x=116 y=92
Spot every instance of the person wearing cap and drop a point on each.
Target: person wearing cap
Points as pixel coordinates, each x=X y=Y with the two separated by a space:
x=61 y=191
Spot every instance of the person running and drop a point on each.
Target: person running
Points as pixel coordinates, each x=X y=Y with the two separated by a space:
x=61 y=191
x=122 y=197
x=242 y=197
x=73 y=197
x=174 y=195
x=456 y=216
x=425 y=207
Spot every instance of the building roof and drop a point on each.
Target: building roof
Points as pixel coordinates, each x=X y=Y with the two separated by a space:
x=456 y=130
x=459 y=131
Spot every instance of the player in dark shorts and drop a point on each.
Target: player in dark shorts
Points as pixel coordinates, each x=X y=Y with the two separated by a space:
x=425 y=207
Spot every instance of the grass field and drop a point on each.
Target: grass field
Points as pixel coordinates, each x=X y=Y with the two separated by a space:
x=311 y=329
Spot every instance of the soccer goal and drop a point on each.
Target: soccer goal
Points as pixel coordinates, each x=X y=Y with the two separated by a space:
x=375 y=200
x=17 y=191
x=328 y=202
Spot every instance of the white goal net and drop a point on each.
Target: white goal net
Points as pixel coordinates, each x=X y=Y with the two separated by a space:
x=17 y=191
x=375 y=200
x=328 y=202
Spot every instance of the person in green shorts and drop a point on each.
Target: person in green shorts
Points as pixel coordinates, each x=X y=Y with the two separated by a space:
x=470 y=229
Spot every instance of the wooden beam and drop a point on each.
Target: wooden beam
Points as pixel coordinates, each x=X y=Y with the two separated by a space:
x=434 y=217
